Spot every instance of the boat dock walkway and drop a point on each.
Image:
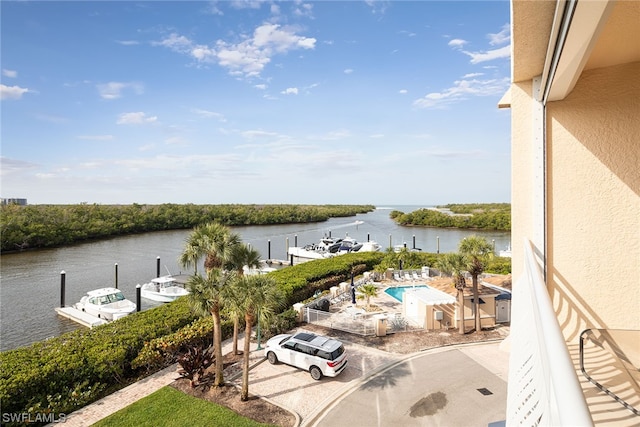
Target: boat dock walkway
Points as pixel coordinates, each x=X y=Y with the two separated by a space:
x=80 y=316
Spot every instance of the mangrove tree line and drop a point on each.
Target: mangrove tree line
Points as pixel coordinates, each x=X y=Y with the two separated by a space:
x=488 y=216
x=41 y=226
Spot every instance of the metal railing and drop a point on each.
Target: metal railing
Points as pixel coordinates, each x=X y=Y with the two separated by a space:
x=609 y=359
x=360 y=325
x=543 y=388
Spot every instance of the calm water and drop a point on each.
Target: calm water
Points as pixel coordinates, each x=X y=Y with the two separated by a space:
x=30 y=281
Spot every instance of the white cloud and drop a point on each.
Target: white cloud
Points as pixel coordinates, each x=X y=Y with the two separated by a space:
x=403 y=91
x=12 y=92
x=128 y=42
x=246 y=58
x=504 y=36
x=348 y=71
x=95 y=137
x=113 y=90
x=246 y=4
x=489 y=55
x=136 y=118
x=457 y=43
x=290 y=91
x=209 y=114
x=9 y=73
x=11 y=166
x=176 y=140
x=463 y=89
x=253 y=134
x=303 y=9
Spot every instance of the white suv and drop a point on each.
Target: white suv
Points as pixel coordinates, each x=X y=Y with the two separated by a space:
x=321 y=356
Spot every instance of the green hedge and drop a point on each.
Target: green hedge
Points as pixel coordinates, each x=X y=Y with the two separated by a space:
x=65 y=373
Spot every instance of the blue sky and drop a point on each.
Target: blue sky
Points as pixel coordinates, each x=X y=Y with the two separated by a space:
x=255 y=102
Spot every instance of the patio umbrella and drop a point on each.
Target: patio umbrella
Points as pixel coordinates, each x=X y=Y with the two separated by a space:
x=353 y=290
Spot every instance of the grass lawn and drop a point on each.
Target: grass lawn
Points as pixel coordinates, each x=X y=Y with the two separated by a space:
x=170 y=407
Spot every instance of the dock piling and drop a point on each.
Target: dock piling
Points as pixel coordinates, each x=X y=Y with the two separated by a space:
x=158 y=267
x=116 y=275
x=138 y=299
x=62 y=286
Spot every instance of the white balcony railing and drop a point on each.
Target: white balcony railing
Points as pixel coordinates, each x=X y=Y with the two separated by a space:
x=543 y=387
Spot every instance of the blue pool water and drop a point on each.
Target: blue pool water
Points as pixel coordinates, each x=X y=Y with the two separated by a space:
x=399 y=290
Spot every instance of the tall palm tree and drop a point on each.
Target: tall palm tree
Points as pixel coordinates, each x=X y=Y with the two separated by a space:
x=243 y=255
x=477 y=251
x=454 y=264
x=206 y=297
x=260 y=297
x=216 y=243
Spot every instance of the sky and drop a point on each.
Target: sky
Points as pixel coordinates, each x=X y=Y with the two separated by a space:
x=325 y=102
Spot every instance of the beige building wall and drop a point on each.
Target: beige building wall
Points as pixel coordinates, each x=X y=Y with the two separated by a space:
x=593 y=197
x=593 y=201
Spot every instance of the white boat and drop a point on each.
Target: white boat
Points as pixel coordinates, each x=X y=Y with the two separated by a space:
x=350 y=245
x=400 y=248
x=264 y=269
x=106 y=303
x=506 y=252
x=328 y=247
x=163 y=289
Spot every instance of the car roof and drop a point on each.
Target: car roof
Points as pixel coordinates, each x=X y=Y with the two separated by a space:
x=320 y=341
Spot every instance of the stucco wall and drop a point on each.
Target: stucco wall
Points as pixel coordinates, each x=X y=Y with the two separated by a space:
x=522 y=177
x=593 y=202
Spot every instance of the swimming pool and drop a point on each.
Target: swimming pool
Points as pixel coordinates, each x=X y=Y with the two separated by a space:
x=399 y=290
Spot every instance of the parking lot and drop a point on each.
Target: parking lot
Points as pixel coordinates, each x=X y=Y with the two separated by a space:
x=294 y=388
x=384 y=387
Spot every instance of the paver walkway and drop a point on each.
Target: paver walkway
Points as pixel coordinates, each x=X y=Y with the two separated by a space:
x=108 y=405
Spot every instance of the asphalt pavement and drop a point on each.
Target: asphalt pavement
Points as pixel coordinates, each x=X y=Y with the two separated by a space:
x=461 y=386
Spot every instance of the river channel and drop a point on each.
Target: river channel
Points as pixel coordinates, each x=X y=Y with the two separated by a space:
x=30 y=281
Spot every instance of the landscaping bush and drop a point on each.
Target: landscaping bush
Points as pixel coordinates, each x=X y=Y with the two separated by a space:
x=62 y=374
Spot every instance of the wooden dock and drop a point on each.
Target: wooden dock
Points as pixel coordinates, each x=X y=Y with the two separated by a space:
x=80 y=316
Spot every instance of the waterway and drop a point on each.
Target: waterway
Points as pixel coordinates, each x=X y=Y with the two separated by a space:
x=30 y=281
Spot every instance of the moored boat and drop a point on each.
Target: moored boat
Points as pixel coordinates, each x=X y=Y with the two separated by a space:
x=328 y=247
x=106 y=303
x=163 y=289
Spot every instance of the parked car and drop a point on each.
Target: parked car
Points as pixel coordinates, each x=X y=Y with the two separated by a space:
x=320 y=355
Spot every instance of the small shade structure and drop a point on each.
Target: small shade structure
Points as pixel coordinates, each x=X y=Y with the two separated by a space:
x=431 y=308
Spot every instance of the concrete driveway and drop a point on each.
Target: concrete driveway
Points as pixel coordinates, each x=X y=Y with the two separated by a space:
x=294 y=389
x=435 y=387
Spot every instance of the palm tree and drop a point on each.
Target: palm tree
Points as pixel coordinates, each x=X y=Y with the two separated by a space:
x=368 y=291
x=477 y=251
x=454 y=264
x=206 y=297
x=217 y=244
x=213 y=241
x=260 y=297
x=243 y=255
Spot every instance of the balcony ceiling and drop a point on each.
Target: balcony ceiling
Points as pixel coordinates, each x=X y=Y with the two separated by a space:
x=616 y=42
